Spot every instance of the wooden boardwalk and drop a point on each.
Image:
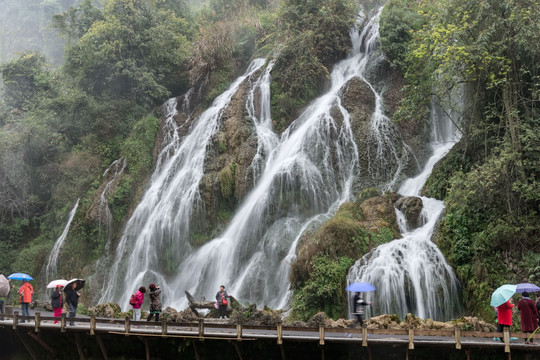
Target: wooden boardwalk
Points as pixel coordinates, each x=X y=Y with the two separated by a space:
x=216 y=329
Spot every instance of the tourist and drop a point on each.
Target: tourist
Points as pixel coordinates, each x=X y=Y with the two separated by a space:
x=529 y=315
x=155 y=302
x=25 y=296
x=137 y=302
x=72 y=300
x=504 y=315
x=538 y=307
x=222 y=300
x=57 y=302
x=359 y=307
x=4 y=298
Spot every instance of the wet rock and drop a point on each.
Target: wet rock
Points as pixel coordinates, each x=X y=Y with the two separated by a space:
x=411 y=207
x=317 y=320
x=169 y=313
x=107 y=310
x=187 y=315
x=41 y=305
x=341 y=323
x=385 y=321
x=378 y=212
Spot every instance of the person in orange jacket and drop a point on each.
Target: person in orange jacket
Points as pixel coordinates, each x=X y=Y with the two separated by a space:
x=25 y=296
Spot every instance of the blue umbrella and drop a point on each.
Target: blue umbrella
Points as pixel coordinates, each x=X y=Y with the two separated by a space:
x=526 y=287
x=20 y=276
x=502 y=294
x=360 y=287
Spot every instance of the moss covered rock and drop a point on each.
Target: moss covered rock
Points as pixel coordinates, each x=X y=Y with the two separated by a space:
x=351 y=232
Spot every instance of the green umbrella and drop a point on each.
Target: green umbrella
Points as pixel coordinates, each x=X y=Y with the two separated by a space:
x=502 y=294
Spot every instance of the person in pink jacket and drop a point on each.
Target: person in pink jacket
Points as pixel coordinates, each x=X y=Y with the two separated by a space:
x=139 y=299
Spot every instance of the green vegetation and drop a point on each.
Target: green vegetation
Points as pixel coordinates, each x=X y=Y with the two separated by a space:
x=324 y=291
x=314 y=35
x=489 y=52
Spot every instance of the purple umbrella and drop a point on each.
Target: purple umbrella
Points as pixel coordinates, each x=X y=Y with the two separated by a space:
x=526 y=287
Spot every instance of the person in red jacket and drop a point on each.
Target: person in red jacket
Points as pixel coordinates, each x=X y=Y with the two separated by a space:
x=504 y=315
x=529 y=315
x=25 y=296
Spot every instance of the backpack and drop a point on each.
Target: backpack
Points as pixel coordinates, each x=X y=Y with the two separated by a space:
x=133 y=300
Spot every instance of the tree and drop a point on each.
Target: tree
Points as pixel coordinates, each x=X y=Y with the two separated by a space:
x=24 y=78
x=130 y=52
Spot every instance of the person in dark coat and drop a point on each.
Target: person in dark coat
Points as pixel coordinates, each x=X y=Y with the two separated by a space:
x=222 y=301
x=529 y=315
x=538 y=308
x=72 y=300
x=359 y=306
x=155 y=302
x=57 y=302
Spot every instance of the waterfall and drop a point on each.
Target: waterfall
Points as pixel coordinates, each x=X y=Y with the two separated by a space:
x=267 y=138
x=300 y=180
x=155 y=239
x=104 y=213
x=411 y=274
x=51 y=270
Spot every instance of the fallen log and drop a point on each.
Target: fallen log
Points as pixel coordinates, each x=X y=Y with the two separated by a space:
x=203 y=304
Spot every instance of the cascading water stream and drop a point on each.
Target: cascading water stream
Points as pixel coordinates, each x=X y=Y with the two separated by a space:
x=51 y=270
x=267 y=138
x=155 y=239
x=300 y=180
x=411 y=274
x=104 y=213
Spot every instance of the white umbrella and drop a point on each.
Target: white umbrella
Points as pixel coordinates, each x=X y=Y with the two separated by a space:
x=4 y=286
x=55 y=283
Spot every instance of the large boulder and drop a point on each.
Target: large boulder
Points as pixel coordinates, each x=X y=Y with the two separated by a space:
x=384 y=321
x=411 y=207
x=352 y=231
x=106 y=310
x=319 y=319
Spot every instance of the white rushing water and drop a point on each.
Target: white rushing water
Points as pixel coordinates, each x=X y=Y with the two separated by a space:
x=113 y=172
x=300 y=180
x=411 y=274
x=52 y=270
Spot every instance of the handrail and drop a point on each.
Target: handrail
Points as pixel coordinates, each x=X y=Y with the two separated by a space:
x=200 y=329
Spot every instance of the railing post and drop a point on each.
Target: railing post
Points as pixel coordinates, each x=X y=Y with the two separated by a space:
x=411 y=338
x=457 y=331
x=63 y=322
x=321 y=334
x=15 y=319
x=37 y=320
x=201 y=327
x=506 y=337
x=239 y=331
x=279 y=333
x=164 y=327
x=364 y=334
x=127 y=325
x=92 y=324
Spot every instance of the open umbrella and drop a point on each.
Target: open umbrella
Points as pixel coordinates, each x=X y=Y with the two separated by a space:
x=526 y=287
x=20 y=276
x=80 y=283
x=4 y=286
x=54 y=283
x=360 y=287
x=502 y=294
